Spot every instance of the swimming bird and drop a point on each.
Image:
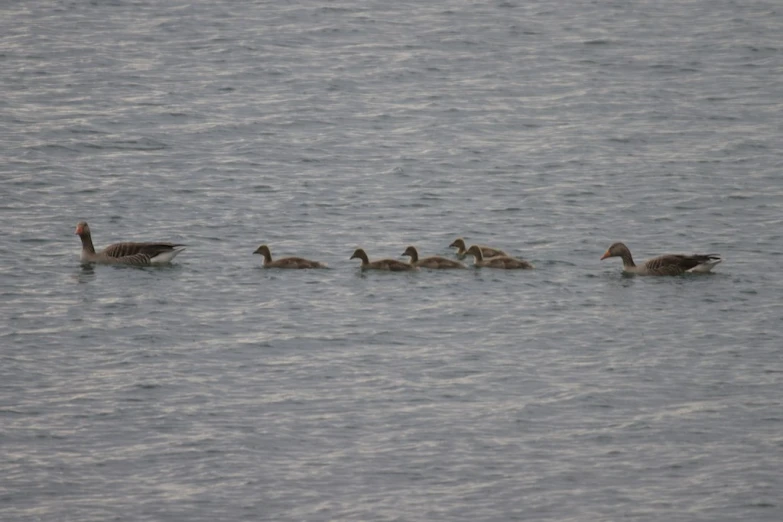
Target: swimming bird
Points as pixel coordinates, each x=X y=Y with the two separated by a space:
x=506 y=262
x=392 y=265
x=667 y=264
x=430 y=262
x=485 y=250
x=286 y=262
x=136 y=254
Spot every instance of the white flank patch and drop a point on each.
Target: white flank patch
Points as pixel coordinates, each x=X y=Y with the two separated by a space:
x=166 y=257
x=705 y=267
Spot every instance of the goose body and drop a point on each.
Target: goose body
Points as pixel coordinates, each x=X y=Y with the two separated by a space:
x=392 y=265
x=430 y=262
x=486 y=251
x=667 y=264
x=286 y=262
x=135 y=254
x=506 y=262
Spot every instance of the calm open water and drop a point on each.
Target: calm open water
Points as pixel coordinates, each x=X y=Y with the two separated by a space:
x=215 y=390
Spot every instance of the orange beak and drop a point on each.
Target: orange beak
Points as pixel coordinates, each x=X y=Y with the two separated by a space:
x=606 y=254
x=78 y=231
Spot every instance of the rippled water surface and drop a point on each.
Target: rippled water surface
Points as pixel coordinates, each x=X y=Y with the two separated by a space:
x=213 y=389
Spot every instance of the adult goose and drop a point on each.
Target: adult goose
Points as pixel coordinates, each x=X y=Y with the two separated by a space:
x=506 y=262
x=667 y=264
x=430 y=262
x=486 y=251
x=286 y=262
x=392 y=265
x=136 y=254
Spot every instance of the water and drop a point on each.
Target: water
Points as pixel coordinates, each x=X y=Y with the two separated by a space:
x=216 y=390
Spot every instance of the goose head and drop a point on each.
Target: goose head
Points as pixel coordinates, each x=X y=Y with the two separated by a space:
x=360 y=254
x=616 y=250
x=412 y=252
x=459 y=243
x=263 y=250
x=475 y=251
x=82 y=229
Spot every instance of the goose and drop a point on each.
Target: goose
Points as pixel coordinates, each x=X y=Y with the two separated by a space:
x=430 y=262
x=485 y=250
x=667 y=264
x=136 y=254
x=392 y=265
x=286 y=262
x=507 y=262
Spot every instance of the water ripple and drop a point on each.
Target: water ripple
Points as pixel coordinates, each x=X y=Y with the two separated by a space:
x=215 y=389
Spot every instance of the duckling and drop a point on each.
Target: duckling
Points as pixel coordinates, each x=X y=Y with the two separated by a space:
x=286 y=262
x=486 y=251
x=430 y=262
x=392 y=265
x=507 y=262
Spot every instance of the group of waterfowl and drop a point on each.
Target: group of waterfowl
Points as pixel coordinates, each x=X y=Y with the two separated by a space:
x=148 y=254
x=494 y=258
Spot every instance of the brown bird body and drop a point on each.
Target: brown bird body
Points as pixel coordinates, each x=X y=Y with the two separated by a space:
x=667 y=264
x=286 y=262
x=506 y=262
x=486 y=251
x=127 y=253
x=391 y=265
x=435 y=262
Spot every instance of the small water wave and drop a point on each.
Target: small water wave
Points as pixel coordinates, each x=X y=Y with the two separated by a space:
x=141 y=144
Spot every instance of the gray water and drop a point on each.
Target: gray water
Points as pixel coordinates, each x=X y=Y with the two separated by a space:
x=213 y=389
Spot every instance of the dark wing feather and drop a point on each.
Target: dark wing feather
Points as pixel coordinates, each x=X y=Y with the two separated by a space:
x=138 y=251
x=521 y=263
x=507 y=262
x=669 y=264
x=392 y=265
x=398 y=266
x=676 y=264
x=140 y=259
x=295 y=262
x=491 y=252
x=438 y=262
